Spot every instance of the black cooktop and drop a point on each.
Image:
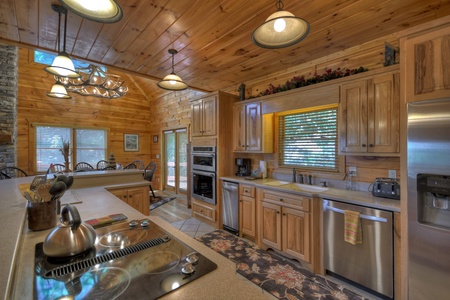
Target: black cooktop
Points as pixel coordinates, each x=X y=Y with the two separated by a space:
x=140 y=262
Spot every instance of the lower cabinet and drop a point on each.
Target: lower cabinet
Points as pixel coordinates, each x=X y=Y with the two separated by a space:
x=136 y=197
x=285 y=224
x=203 y=211
x=247 y=211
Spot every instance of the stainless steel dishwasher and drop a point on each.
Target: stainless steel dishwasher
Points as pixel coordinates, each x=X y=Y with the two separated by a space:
x=369 y=264
x=230 y=206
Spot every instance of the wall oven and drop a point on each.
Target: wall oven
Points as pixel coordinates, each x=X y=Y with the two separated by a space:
x=204 y=186
x=204 y=173
x=204 y=158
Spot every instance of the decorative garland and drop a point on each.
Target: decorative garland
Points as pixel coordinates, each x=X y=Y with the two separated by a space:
x=300 y=81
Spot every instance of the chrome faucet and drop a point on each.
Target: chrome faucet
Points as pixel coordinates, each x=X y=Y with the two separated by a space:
x=310 y=179
x=294 y=175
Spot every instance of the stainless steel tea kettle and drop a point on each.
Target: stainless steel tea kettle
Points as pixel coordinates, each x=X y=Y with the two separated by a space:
x=70 y=237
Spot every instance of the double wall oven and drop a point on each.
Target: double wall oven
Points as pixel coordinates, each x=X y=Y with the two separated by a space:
x=204 y=173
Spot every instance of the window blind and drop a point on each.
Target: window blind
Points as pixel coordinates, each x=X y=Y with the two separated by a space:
x=309 y=140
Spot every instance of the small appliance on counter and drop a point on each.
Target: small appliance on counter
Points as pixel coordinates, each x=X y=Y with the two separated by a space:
x=386 y=188
x=244 y=167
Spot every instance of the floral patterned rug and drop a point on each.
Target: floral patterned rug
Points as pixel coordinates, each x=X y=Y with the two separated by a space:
x=282 y=278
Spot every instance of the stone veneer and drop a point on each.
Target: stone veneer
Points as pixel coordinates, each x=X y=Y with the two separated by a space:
x=8 y=103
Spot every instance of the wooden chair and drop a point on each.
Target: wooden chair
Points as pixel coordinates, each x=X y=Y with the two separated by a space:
x=139 y=164
x=4 y=176
x=83 y=166
x=108 y=168
x=102 y=164
x=12 y=172
x=57 y=168
x=130 y=166
x=148 y=175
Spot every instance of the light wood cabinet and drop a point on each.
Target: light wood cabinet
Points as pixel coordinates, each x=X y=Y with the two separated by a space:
x=369 y=116
x=285 y=224
x=247 y=211
x=252 y=131
x=137 y=197
x=203 y=113
x=204 y=211
x=425 y=61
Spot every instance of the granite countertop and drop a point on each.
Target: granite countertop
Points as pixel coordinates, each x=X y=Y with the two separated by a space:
x=351 y=197
x=18 y=242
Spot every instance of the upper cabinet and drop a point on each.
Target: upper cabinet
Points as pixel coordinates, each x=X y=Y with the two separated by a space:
x=425 y=61
x=204 y=116
x=369 y=116
x=252 y=131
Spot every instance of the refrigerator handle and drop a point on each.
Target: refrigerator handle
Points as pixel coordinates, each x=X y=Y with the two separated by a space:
x=366 y=217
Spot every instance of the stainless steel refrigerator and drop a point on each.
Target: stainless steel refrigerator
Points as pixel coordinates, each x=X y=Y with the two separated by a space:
x=428 y=163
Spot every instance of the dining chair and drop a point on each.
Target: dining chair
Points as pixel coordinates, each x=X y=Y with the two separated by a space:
x=139 y=164
x=108 y=168
x=102 y=164
x=83 y=166
x=57 y=168
x=4 y=176
x=12 y=172
x=148 y=175
x=130 y=166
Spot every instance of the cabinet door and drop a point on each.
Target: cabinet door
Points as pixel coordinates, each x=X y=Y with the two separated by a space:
x=121 y=194
x=296 y=233
x=247 y=216
x=271 y=225
x=138 y=198
x=209 y=116
x=196 y=117
x=239 y=137
x=383 y=114
x=426 y=68
x=253 y=126
x=353 y=117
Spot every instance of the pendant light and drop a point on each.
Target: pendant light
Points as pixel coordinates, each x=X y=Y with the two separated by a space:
x=62 y=65
x=172 y=82
x=281 y=29
x=102 y=11
x=58 y=91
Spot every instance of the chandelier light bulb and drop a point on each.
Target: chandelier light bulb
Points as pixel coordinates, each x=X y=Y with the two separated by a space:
x=279 y=25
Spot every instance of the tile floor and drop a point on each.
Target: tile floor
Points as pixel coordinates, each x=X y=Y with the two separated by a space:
x=193 y=227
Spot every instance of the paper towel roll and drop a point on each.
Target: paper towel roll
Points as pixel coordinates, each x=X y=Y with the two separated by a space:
x=263 y=168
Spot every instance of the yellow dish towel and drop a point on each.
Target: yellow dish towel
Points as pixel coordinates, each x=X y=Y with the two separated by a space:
x=353 y=231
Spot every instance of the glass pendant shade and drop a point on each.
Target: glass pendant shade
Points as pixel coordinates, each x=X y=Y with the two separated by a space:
x=62 y=66
x=281 y=29
x=172 y=82
x=102 y=11
x=58 y=91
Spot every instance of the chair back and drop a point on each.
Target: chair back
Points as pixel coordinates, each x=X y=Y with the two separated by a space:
x=12 y=172
x=139 y=164
x=4 y=176
x=57 y=168
x=149 y=171
x=130 y=166
x=102 y=164
x=83 y=166
x=108 y=168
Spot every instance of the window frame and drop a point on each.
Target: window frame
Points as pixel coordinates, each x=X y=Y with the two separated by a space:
x=340 y=159
x=73 y=155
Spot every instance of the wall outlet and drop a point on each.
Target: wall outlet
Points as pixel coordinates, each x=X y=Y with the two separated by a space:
x=157 y=155
x=352 y=170
x=392 y=174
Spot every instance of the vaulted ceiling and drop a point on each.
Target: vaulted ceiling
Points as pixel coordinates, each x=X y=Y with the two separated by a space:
x=213 y=37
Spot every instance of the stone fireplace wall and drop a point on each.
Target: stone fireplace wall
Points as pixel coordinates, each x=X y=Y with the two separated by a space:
x=8 y=105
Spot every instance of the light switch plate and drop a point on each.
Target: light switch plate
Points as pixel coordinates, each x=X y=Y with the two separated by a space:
x=392 y=174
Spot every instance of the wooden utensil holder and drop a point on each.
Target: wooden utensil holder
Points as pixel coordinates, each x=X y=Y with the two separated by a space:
x=41 y=215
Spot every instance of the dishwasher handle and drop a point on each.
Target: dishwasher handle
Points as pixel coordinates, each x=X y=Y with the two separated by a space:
x=366 y=217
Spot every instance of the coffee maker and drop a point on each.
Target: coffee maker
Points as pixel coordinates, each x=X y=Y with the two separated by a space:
x=243 y=166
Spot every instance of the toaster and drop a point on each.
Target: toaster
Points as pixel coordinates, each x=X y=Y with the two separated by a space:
x=386 y=188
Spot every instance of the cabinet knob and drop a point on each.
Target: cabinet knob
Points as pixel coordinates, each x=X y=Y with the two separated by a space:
x=278 y=211
x=281 y=199
x=283 y=214
x=364 y=145
x=370 y=145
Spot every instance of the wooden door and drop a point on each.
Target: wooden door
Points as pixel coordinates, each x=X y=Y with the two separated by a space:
x=296 y=233
x=253 y=126
x=196 y=118
x=209 y=116
x=138 y=198
x=239 y=128
x=271 y=225
x=353 y=117
x=247 y=216
x=383 y=114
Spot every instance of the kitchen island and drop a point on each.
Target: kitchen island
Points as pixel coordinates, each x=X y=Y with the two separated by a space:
x=18 y=246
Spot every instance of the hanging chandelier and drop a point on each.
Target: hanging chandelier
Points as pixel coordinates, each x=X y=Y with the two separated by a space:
x=172 y=82
x=94 y=81
x=281 y=29
x=102 y=11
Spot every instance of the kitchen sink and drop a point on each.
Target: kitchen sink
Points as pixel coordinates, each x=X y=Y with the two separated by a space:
x=307 y=187
x=276 y=183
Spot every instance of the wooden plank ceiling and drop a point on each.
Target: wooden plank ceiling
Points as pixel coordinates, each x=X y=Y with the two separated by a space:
x=213 y=37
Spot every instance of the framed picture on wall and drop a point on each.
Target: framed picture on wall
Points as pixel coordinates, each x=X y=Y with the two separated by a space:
x=131 y=142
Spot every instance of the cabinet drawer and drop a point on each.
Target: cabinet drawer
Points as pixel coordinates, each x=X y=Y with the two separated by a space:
x=204 y=211
x=291 y=200
x=247 y=190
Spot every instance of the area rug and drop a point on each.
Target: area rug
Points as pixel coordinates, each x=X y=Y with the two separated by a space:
x=280 y=277
x=158 y=201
